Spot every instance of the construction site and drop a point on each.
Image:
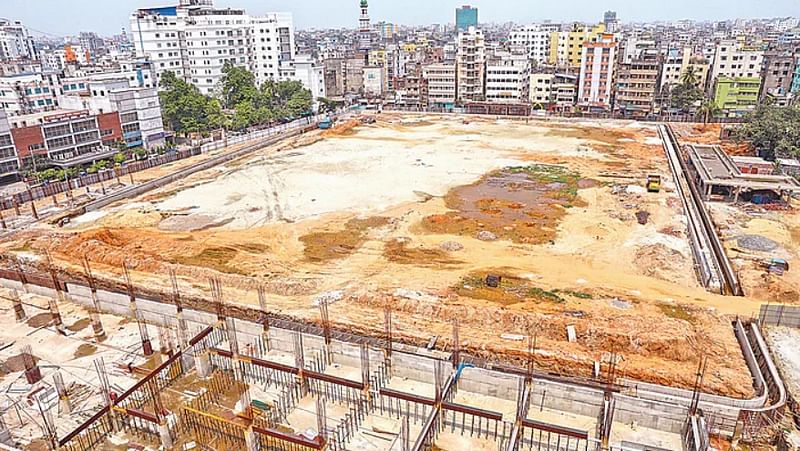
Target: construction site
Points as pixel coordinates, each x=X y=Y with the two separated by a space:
x=413 y=282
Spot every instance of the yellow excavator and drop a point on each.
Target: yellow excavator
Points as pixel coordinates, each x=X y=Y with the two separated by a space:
x=653 y=183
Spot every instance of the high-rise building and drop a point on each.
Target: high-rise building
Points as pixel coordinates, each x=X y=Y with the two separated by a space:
x=273 y=44
x=364 y=29
x=597 y=72
x=15 y=42
x=195 y=41
x=636 y=84
x=470 y=65
x=610 y=21
x=776 y=75
x=441 y=82
x=566 y=46
x=507 y=78
x=535 y=39
x=466 y=17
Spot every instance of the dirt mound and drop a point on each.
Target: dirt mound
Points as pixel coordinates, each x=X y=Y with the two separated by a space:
x=399 y=251
x=324 y=246
x=657 y=260
x=79 y=325
x=85 y=350
x=342 y=129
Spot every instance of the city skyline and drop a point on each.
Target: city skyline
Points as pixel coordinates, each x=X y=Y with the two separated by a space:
x=344 y=13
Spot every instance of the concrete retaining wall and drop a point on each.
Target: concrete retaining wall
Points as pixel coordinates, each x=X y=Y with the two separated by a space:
x=489 y=383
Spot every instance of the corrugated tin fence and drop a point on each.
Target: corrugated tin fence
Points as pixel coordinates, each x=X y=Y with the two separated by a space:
x=51 y=189
x=779 y=315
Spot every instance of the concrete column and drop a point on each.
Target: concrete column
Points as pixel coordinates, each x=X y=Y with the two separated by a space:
x=165 y=435
x=202 y=361
x=19 y=311
x=250 y=439
x=64 y=405
x=5 y=434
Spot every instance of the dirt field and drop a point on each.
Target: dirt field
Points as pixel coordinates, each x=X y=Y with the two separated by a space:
x=416 y=211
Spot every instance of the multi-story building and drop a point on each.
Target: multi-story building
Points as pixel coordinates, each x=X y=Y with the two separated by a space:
x=610 y=21
x=735 y=74
x=733 y=59
x=65 y=138
x=554 y=91
x=677 y=62
x=566 y=46
x=16 y=42
x=540 y=87
x=307 y=71
x=777 y=74
x=364 y=30
x=535 y=39
x=736 y=95
x=440 y=79
x=596 y=80
x=470 y=65
x=9 y=163
x=636 y=85
x=273 y=43
x=466 y=17
x=28 y=93
x=374 y=81
x=507 y=78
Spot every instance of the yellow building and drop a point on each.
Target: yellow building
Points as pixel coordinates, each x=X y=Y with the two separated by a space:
x=566 y=46
x=377 y=57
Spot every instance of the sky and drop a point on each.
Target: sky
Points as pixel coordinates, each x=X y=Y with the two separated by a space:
x=106 y=17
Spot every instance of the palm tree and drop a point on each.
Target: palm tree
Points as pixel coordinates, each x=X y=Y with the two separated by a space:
x=707 y=110
x=690 y=76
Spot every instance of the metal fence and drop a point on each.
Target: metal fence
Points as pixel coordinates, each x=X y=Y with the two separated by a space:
x=779 y=315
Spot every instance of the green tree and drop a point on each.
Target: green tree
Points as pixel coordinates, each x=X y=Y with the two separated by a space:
x=238 y=86
x=327 y=105
x=185 y=110
x=684 y=96
x=690 y=76
x=773 y=131
x=707 y=110
x=119 y=158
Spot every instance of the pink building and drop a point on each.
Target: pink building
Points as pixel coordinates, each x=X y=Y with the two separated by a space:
x=597 y=73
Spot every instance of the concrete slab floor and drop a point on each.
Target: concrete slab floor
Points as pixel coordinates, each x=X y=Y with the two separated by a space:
x=627 y=433
x=411 y=386
x=566 y=419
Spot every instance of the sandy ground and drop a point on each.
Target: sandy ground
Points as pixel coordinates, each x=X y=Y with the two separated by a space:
x=785 y=345
x=626 y=287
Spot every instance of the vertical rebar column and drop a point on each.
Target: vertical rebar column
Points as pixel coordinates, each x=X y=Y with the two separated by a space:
x=326 y=327
x=20 y=274
x=365 y=368
x=64 y=403
x=48 y=425
x=94 y=312
x=321 y=416
x=405 y=443
x=387 y=331
x=147 y=346
x=456 y=344
x=183 y=334
x=19 y=311
x=299 y=360
x=32 y=372
x=262 y=302
x=58 y=323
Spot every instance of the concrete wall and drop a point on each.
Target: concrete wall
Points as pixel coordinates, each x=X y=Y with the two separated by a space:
x=489 y=383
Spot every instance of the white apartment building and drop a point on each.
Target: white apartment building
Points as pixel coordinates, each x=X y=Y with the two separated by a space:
x=677 y=62
x=535 y=39
x=733 y=59
x=507 y=78
x=470 y=65
x=15 y=42
x=193 y=41
x=28 y=93
x=273 y=43
x=306 y=70
x=9 y=164
x=541 y=88
x=138 y=107
x=374 y=80
x=441 y=81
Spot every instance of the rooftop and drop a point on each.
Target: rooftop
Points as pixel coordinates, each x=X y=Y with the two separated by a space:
x=715 y=167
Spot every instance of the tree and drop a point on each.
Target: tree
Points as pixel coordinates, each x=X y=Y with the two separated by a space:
x=684 y=96
x=773 y=131
x=707 y=110
x=327 y=105
x=185 y=110
x=690 y=76
x=119 y=158
x=238 y=86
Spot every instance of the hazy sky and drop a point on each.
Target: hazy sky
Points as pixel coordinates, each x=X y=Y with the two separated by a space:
x=63 y=17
